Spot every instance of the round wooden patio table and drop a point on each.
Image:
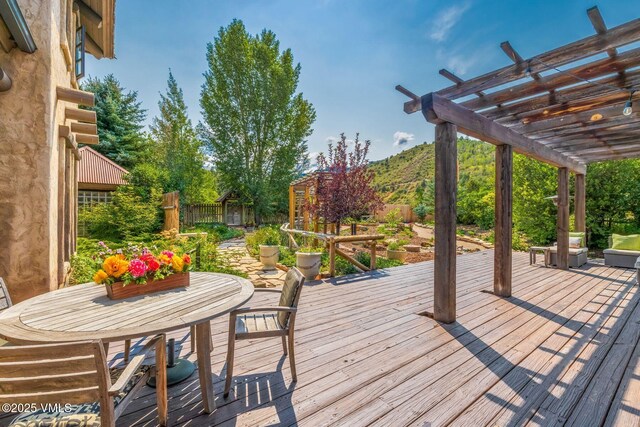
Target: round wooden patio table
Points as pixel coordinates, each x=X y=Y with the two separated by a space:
x=84 y=312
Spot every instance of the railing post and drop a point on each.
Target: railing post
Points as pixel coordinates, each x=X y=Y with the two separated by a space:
x=372 y=263
x=332 y=257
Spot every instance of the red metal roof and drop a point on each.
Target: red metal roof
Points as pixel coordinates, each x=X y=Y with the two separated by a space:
x=95 y=168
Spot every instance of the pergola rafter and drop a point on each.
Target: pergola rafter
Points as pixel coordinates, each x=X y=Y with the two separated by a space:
x=557 y=107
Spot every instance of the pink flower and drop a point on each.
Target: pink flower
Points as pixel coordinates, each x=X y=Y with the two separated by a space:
x=168 y=253
x=137 y=268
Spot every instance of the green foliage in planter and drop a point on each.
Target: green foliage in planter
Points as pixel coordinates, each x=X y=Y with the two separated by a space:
x=310 y=249
x=395 y=246
x=263 y=236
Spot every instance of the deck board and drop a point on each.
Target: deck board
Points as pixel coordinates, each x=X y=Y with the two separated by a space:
x=564 y=349
x=365 y=356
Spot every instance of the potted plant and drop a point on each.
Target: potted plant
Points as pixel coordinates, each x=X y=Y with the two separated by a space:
x=131 y=273
x=396 y=251
x=269 y=247
x=308 y=261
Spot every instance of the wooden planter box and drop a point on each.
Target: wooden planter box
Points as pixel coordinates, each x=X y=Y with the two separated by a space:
x=119 y=291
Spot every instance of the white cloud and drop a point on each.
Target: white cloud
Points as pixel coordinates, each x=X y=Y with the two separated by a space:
x=402 y=138
x=446 y=20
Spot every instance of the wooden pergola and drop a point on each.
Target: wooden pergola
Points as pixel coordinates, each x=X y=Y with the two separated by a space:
x=567 y=117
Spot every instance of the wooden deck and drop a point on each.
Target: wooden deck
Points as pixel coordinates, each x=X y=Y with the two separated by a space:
x=562 y=350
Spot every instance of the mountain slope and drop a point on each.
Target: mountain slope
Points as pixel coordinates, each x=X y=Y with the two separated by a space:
x=397 y=177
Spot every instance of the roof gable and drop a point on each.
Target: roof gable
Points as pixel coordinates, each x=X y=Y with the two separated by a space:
x=94 y=168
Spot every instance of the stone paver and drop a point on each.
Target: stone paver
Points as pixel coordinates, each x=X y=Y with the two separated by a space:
x=243 y=261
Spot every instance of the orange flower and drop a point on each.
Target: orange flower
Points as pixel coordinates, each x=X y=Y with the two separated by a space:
x=187 y=259
x=164 y=259
x=177 y=263
x=115 y=266
x=100 y=276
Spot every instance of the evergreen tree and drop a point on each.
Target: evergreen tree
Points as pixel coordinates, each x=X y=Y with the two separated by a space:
x=178 y=149
x=255 y=124
x=120 y=118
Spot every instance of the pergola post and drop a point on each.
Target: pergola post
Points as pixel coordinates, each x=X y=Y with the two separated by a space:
x=292 y=207
x=562 y=226
x=580 y=203
x=503 y=221
x=445 y=223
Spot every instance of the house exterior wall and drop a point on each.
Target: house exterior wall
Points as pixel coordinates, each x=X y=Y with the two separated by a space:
x=37 y=171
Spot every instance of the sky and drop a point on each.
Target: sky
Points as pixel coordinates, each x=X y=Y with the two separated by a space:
x=352 y=52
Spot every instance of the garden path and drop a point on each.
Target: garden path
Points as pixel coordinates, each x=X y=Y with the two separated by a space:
x=243 y=261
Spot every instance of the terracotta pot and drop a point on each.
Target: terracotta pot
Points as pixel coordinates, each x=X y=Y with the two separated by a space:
x=119 y=291
x=309 y=264
x=397 y=255
x=269 y=256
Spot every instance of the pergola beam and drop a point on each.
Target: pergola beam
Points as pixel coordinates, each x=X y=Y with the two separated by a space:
x=592 y=70
x=457 y=80
x=598 y=24
x=589 y=46
x=438 y=109
x=516 y=58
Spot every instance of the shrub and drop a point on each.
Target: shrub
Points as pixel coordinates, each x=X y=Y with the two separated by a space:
x=421 y=211
x=127 y=216
x=83 y=268
x=393 y=217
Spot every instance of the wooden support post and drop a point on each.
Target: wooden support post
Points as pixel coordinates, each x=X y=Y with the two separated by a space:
x=305 y=210
x=580 y=203
x=292 y=207
x=503 y=213
x=372 y=263
x=562 y=226
x=332 y=257
x=445 y=224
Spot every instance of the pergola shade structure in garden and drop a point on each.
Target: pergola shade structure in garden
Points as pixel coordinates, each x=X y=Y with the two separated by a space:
x=566 y=107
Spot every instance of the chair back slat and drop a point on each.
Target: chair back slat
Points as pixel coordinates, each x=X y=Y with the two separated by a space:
x=293 y=282
x=52 y=373
x=73 y=396
x=5 y=298
x=67 y=365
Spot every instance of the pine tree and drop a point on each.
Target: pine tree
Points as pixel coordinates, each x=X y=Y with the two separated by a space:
x=178 y=150
x=120 y=116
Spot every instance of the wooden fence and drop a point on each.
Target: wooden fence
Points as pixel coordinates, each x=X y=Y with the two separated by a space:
x=406 y=213
x=202 y=214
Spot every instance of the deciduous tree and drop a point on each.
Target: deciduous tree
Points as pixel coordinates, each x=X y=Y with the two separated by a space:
x=255 y=124
x=345 y=187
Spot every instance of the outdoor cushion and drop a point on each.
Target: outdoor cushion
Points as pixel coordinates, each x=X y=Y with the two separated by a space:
x=628 y=243
x=85 y=415
x=582 y=236
x=575 y=242
x=621 y=252
x=572 y=251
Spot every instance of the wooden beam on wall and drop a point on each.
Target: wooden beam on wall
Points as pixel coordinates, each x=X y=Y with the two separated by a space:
x=580 y=203
x=502 y=265
x=92 y=47
x=83 y=138
x=437 y=109
x=89 y=14
x=87 y=128
x=87 y=116
x=75 y=96
x=445 y=223
x=562 y=226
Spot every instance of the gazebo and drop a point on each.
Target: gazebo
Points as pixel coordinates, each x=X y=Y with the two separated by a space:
x=567 y=107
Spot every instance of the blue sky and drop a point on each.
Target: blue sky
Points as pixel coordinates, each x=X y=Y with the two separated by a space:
x=352 y=52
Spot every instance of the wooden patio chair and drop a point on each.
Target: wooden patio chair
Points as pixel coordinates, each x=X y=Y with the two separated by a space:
x=5 y=302
x=270 y=321
x=74 y=384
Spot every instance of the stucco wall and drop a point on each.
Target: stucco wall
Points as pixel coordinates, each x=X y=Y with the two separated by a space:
x=29 y=156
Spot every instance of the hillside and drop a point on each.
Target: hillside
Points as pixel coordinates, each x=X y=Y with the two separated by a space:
x=398 y=176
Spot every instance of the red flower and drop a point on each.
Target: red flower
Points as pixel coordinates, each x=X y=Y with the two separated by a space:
x=187 y=259
x=153 y=264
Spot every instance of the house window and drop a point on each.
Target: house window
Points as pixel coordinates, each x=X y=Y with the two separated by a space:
x=79 y=52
